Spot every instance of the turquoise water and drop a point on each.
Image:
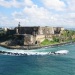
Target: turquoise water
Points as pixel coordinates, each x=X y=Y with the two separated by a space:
x=39 y=65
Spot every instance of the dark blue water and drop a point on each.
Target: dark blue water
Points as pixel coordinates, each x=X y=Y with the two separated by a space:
x=40 y=65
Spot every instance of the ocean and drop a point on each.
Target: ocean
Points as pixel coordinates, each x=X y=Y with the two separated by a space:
x=39 y=64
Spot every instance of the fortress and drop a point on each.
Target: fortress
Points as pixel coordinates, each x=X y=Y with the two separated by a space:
x=34 y=35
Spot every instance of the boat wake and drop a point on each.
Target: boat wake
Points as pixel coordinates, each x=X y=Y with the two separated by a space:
x=24 y=53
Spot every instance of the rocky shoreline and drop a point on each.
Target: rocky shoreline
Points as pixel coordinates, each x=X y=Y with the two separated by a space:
x=3 y=44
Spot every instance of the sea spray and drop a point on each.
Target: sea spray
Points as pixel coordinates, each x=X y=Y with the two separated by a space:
x=23 y=52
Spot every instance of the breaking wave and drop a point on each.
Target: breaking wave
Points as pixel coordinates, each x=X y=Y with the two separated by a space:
x=32 y=52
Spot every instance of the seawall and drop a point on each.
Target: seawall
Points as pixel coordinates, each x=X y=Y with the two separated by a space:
x=33 y=47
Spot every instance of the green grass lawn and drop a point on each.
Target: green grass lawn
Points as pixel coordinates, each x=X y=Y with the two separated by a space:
x=47 y=42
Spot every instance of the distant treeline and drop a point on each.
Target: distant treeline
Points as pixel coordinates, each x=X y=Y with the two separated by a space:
x=5 y=36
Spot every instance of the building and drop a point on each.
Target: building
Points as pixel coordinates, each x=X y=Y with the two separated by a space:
x=33 y=35
x=11 y=31
x=58 y=30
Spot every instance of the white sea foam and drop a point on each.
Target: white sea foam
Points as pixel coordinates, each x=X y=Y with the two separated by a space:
x=62 y=52
x=32 y=52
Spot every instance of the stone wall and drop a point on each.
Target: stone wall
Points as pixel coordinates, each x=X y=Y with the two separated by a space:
x=27 y=30
x=58 y=30
x=40 y=38
x=28 y=40
x=45 y=30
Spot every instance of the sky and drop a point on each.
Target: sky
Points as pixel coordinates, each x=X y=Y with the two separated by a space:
x=53 y=13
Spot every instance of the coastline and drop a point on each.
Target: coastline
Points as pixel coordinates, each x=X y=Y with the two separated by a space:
x=33 y=47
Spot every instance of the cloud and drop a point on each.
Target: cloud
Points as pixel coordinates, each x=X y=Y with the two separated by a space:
x=54 y=4
x=15 y=3
x=11 y=3
x=36 y=12
x=4 y=20
x=71 y=5
x=18 y=15
x=28 y=3
x=34 y=15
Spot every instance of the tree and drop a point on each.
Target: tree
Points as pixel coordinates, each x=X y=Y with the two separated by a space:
x=56 y=39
